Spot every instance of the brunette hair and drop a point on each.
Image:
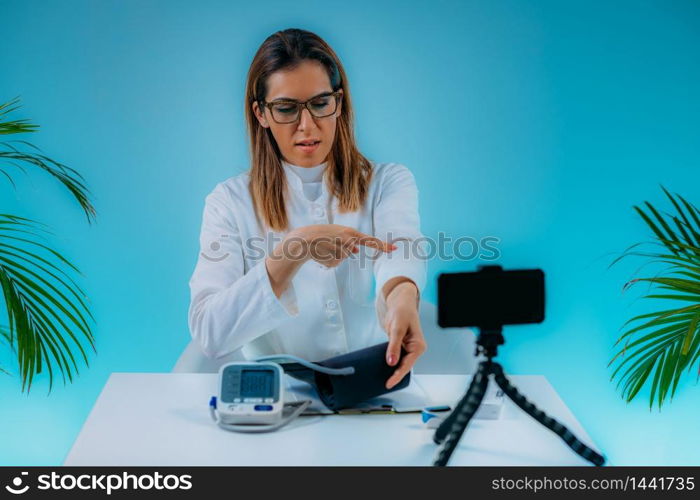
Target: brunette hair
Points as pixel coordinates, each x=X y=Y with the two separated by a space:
x=348 y=173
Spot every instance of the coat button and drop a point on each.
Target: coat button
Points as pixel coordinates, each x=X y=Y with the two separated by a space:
x=319 y=212
x=331 y=304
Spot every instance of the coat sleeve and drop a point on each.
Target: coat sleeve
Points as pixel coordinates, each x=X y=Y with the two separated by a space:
x=228 y=307
x=396 y=220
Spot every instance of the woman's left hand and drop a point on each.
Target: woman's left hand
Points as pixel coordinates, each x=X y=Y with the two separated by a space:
x=402 y=325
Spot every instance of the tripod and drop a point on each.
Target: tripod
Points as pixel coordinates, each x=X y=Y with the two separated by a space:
x=452 y=428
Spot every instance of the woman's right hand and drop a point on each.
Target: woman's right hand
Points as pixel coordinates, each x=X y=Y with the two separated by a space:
x=329 y=244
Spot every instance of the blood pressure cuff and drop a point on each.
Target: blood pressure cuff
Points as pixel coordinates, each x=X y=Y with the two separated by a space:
x=345 y=391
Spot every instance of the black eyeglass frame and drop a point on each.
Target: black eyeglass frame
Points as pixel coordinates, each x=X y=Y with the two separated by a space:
x=300 y=105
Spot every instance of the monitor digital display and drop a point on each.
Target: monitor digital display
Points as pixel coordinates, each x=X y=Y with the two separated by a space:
x=257 y=383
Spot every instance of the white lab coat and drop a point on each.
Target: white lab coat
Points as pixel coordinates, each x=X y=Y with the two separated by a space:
x=325 y=311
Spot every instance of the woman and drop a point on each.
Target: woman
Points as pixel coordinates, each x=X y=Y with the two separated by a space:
x=289 y=249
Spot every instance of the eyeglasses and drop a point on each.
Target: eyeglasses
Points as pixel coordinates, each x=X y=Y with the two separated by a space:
x=289 y=111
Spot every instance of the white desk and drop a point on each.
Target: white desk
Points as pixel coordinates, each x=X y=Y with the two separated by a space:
x=154 y=419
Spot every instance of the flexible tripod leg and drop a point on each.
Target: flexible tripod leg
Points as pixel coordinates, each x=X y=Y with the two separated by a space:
x=454 y=427
x=446 y=425
x=555 y=426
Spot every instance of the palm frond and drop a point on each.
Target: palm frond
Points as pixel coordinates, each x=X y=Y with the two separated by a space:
x=663 y=344
x=47 y=311
x=14 y=126
x=12 y=155
x=7 y=339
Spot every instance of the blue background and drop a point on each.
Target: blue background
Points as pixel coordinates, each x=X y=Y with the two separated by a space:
x=538 y=122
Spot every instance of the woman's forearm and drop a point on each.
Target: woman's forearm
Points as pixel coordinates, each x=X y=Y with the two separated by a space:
x=283 y=264
x=401 y=285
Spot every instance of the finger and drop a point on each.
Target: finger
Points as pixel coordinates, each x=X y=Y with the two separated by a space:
x=343 y=248
x=404 y=367
x=347 y=249
x=349 y=245
x=393 y=350
x=419 y=343
x=321 y=251
x=372 y=242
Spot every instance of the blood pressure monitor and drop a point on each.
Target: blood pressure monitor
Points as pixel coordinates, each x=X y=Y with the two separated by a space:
x=250 y=393
x=251 y=398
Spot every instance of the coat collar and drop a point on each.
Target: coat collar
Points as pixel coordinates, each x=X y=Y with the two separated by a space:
x=295 y=183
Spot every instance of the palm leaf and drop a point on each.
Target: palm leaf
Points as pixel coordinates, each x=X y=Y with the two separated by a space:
x=626 y=252
x=662 y=340
x=692 y=211
x=691 y=298
x=70 y=179
x=47 y=311
x=13 y=126
x=6 y=338
x=666 y=343
x=685 y=224
x=667 y=317
x=681 y=285
x=657 y=231
x=67 y=176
